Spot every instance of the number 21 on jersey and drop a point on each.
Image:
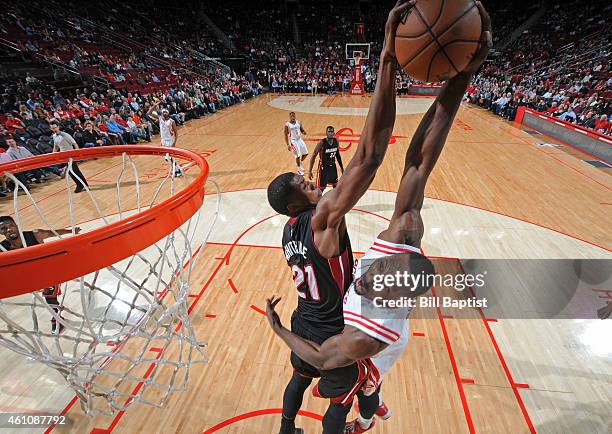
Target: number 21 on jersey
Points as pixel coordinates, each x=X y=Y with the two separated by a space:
x=305 y=276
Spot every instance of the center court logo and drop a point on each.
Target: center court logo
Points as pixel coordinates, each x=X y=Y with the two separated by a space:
x=348 y=137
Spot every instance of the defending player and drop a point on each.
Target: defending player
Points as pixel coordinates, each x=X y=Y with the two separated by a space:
x=317 y=246
x=328 y=151
x=374 y=336
x=168 y=132
x=13 y=241
x=293 y=139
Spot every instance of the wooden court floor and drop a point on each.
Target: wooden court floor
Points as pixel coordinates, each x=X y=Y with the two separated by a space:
x=497 y=192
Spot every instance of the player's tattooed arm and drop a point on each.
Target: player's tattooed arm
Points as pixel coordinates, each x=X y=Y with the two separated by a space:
x=338 y=351
x=313 y=158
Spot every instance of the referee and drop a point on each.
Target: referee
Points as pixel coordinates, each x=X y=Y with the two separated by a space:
x=63 y=141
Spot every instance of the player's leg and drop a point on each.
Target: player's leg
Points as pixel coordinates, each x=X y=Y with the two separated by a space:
x=334 y=419
x=292 y=401
x=298 y=156
x=303 y=373
x=322 y=177
x=332 y=177
x=50 y=295
x=78 y=178
x=303 y=152
x=368 y=406
x=371 y=405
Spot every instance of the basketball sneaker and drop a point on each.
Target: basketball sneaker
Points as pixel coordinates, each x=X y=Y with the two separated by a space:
x=355 y=427
x=382 y=411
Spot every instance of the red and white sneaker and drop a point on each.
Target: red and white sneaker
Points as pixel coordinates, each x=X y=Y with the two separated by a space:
x=355 y=428
x=382 y=411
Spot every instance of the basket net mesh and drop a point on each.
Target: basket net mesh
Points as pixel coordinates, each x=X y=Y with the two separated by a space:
x=125 y=331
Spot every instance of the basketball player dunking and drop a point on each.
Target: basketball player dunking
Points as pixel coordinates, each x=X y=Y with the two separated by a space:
x=318 y=249
x=167 y=131
x=372 y=335
x=13 y=241
x=294 y=141
x=328 y=151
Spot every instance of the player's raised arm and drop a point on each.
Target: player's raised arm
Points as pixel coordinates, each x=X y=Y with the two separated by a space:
x=427 y=144
x=153 y=111
x=375 y=136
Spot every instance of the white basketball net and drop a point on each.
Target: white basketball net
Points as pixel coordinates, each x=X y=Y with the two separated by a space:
x=126 y=333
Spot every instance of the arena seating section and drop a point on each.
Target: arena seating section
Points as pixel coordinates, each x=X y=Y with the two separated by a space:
x=114 y=57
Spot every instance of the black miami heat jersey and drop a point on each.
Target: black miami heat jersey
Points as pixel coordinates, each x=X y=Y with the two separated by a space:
x=321 y=283
x=328 y=152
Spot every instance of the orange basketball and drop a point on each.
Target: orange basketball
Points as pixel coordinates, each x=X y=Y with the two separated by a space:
x=438 y=38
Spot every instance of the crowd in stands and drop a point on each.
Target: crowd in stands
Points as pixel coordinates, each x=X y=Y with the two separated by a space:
x=555 y=68
x=100 y=117
x=133 y=62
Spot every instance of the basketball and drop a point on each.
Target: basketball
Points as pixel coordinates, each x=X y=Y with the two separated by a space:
x=437 y=39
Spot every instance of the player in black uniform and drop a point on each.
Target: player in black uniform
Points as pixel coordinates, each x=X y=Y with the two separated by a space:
x=317 y=246
x=328 y=151
x=13 y=241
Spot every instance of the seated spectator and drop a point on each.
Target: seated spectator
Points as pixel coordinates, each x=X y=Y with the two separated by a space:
x=115 y=139
x=602 y=125
x=144 y=125
x=13 y=124
x=90 y=137
x=568 y=116
x=114 y=128
x=137 y=131
x=16 y=152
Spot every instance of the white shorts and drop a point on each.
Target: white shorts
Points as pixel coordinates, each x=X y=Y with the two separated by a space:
x=299 y=147
x=384 y=361
x=168 y=143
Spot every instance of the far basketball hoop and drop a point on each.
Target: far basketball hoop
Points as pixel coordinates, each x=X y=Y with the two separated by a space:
x=356 y=54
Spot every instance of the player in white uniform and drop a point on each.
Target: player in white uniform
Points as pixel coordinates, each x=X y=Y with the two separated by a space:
x=168 y=133
x=294 y=141
x=372 y=333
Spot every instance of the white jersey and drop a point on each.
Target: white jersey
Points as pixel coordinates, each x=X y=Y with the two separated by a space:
x=166 y=132
x=392 y=328
x=295 y=130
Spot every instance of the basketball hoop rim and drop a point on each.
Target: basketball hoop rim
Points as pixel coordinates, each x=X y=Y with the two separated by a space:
x=33 y=268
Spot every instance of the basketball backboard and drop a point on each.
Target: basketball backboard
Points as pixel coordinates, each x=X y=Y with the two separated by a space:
x=354 y=50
